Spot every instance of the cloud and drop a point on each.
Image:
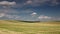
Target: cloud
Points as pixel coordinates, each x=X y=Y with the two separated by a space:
x=42 y=2
x=44 y=17
x=2 y=15
x=28 y=2
x=36 y=2
x=7 y=7
x=27 y=11
x=6 y=3
x=34 y=13
x=33 y=3
x=54 y=2
x=56 y=18
x=12 y=17
x=9 y=14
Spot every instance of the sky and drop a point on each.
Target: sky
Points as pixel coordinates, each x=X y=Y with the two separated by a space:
x=30 y=10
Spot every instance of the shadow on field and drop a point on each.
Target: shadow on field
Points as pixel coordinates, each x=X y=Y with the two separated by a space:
x=30 y=21
x=16 y=21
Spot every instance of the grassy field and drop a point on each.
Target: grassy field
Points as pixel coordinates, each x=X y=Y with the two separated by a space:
x=17 y=27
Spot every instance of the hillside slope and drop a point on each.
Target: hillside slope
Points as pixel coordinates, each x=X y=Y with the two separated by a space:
x=17 y=27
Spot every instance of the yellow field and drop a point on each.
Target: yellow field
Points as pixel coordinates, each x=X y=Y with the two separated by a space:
x=17 y=27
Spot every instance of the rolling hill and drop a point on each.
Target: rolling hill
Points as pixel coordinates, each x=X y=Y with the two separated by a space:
x=19 y=27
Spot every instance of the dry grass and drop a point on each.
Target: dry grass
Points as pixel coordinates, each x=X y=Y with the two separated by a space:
x=16 y=27
x=5 y=31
